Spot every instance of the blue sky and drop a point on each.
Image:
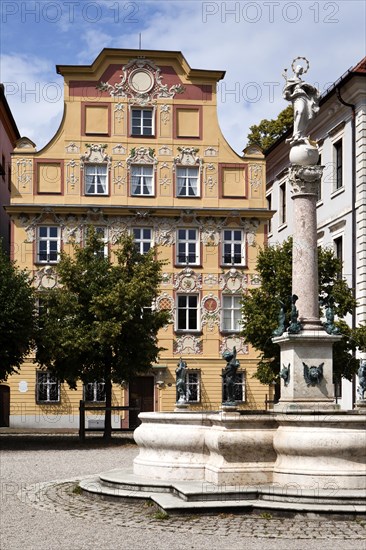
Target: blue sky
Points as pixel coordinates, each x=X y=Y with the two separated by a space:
x=253 y=41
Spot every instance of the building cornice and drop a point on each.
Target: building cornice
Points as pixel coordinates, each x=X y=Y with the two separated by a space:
x=24 y=208
x=115 y=55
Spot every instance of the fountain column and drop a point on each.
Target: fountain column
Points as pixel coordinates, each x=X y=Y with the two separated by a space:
x=304 y=180
x=306 y=348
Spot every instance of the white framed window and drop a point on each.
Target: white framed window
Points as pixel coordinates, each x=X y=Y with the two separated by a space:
x=338 y=164
x=187 y=247
x=47 y=388
x=94 y=392
x=48 y=244
x=283 y=206
x=142 y=122
x=193 y=386
x=319 y=190
x=96 y=179
x=338 y=252
x=187 y=181
x=239 y=388
x=188 y=313
x=143 y=238
x=269 y=206
x=102 y=233
x=233 y=247
x=142 y=180
x=231 y=313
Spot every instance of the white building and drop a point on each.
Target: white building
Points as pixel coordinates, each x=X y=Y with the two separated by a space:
x=340 y=130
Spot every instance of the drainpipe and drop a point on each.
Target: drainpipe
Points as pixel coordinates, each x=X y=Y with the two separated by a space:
x=353 y=217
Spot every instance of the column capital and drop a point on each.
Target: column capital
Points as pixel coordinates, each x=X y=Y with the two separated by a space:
x=305 y=179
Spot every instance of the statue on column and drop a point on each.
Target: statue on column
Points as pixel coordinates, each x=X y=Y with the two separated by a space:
x=305 y=100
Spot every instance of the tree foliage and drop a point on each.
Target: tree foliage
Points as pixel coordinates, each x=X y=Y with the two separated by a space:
x=261 y=307
x=17 y=315
x=99 y=325
x=268 y=131
x=359 y=335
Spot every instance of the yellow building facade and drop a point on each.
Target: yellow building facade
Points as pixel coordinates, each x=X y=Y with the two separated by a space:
x=139 y=150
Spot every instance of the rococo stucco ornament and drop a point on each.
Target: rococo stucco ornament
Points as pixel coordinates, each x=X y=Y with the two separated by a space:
x=187 y=280
x=188 y=345
x=141 y=82
x=228 y=343
x=210 y=312
x=233 y=280
x=188 y=156
x=45 y=278
x=96 y=154
x=142 y=155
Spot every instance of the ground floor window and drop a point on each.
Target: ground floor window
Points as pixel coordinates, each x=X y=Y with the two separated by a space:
x=94 y=392
x=47 y=388
x=239 y=389
x=193 y=384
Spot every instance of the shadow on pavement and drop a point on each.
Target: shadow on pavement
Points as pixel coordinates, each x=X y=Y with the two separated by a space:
x=34 y=442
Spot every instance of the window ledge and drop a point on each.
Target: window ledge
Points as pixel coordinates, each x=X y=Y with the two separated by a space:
x=319 y=203
x=337 y=192
x=282 y=227
x=187 y=332
x=188 y=196
x=182 y=266
x=233 y=266
x=143 y=196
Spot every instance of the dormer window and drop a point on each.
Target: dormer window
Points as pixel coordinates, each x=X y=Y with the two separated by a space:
x=142 y=122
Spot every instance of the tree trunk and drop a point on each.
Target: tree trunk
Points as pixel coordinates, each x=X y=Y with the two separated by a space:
x=108 y=403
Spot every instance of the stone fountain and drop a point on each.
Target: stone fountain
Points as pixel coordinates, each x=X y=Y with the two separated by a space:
x=305 y=456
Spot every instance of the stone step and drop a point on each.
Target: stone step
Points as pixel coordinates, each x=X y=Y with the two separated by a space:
x=172 y=503
x=196 y=495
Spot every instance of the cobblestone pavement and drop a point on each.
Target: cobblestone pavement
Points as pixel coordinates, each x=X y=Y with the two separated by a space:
x=42 y=513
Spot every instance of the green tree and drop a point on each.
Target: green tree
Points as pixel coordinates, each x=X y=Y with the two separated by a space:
x=268 y=131
x=17 y=316
x=261 y=307
x=99 y=324
x=359 y=335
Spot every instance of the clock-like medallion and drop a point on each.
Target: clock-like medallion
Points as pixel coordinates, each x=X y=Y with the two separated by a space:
x=141 y=81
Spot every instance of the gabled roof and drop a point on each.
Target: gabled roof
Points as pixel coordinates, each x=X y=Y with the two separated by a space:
x=8 y=112
x=115 y=53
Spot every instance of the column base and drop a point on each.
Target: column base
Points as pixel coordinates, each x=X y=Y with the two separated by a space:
x=288 y=406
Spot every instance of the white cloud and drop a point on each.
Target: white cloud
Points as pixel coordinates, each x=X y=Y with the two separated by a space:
x=253 y=54
x=94 y=40
x=35 y=95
